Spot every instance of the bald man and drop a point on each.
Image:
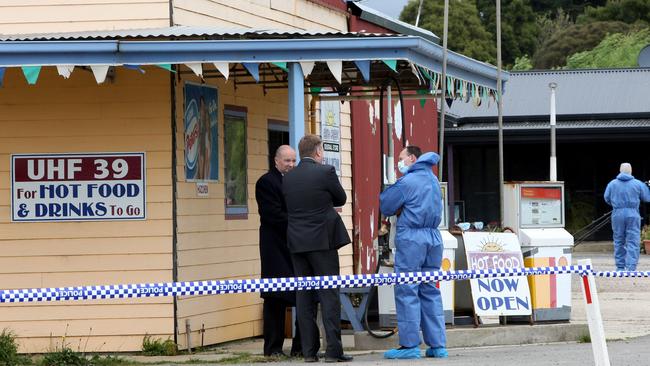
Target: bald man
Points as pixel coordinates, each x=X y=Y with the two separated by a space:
x=274 y=253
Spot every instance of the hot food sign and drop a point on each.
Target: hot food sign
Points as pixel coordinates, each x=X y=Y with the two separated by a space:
x=78 y=187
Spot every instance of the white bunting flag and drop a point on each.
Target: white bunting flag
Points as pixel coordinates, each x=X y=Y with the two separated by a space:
x=65 y=70
x=100 y=72
x=197 y=68
x=307 y=67
x=223 y=68
x=336 y=68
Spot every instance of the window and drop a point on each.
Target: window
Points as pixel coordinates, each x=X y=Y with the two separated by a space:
x=235 y=156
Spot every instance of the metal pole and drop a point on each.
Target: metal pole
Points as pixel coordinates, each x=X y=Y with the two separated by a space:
x=500 y=111
x=417 y=19
x=553 y=174
x=443 y=103
x=296 y=105
x=390 y=164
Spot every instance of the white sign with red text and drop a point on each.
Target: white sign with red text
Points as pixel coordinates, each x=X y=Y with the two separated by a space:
x=78 y=187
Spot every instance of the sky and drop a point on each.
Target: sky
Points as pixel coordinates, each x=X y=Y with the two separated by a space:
x=389 y=7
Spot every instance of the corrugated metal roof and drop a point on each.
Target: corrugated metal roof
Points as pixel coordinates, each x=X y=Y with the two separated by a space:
x=374 y=16
x=586 y=92
x=544 y=125
x=183 y=32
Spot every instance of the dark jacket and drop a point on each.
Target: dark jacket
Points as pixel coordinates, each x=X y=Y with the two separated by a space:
x=311 y=191
x=274 y=254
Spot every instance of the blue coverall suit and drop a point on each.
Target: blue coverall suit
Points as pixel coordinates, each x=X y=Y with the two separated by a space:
x=419 y=248
x=624 y=194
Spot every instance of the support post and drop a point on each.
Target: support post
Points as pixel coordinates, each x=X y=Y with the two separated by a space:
x=594 y=318
x=296 y=105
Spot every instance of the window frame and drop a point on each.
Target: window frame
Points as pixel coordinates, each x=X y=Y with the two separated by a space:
x=235 y=212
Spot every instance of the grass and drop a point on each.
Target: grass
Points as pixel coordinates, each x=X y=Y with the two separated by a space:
x=158 y=347
x=585 y=338
x=9 y=350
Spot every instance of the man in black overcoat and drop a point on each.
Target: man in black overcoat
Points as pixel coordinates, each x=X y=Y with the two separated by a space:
x=274 y=253
x=315 y=233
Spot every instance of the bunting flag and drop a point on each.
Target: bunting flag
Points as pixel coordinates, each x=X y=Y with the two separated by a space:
x=223 y=68
x=392 y=64
x=450 y=86
x=100 y=72
x=65 y=70
x=197 y=68
x=2 y=75
x=282 y=65
x=167 y=67
x=307 y=67
x=315 y=89
x=423 y=92
x=31 y=73
x=134 y=67
x=336 y=68
x=364 y=68
x=415 y=72
x=253 y=69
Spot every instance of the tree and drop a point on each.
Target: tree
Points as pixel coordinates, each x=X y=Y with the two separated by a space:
x=519 y=27
x=616 y=50
x=522 y=64
x=628 y=11
x=466 y=33
x=573 y=39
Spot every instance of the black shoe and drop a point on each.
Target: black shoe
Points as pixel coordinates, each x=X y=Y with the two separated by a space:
x=341 y=358
x=276 y=354
x=310 y=359
x=296 y=354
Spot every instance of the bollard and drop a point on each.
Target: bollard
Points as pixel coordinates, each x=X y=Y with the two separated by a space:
x=594 y=318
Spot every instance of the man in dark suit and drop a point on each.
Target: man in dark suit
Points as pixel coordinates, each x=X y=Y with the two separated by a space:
x=274 y=253
x=314 y=235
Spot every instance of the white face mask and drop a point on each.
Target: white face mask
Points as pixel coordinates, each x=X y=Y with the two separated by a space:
x=403 y=168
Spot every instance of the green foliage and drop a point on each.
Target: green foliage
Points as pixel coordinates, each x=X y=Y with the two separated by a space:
x=575 y=38
x=573 y=8
x=645 y=232
x=580 y=210
x=158 y=347
x=519 y=27
x=64 y=356
x=585 y=338
x=467 y=34
x=9 y=350
x=627 y=11
x=549 y=25
x=522 y=63
x=616 y=50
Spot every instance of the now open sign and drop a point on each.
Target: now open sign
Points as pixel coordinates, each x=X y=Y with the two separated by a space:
x=497 y=296
x=78 y=187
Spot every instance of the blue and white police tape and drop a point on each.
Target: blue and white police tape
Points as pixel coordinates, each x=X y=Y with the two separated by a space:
x=621 y=273
x=215 y=287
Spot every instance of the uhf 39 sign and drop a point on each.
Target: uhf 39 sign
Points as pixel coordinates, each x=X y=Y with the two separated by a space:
x=78 y=187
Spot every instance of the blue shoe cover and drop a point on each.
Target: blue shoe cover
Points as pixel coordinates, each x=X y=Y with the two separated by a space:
x=403 y=353
x=440 y=352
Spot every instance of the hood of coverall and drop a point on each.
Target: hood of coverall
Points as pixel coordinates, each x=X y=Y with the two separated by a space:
x=425 y=161
x=621 y=176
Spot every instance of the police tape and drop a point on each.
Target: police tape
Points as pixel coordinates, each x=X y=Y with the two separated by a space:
x=218 y=287
x=621 y=273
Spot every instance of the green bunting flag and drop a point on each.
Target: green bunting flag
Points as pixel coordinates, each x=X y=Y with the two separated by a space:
x=392 y=64
x=423 y=92
x=282 y=65
x=167 y=67
x=315 y=89
x=31 y=73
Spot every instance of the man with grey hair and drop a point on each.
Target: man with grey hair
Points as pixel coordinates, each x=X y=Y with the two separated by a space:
x=274 y=252
x=625 y=194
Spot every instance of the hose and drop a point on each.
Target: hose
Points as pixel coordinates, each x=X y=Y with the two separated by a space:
x=590 y=229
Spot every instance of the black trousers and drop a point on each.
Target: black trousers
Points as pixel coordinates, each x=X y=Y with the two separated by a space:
x=274 y=313
x=319 y=263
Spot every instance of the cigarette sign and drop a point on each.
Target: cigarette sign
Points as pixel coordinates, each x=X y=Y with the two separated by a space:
x=78 y=187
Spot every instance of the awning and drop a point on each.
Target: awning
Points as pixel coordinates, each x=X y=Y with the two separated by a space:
x=415 y=62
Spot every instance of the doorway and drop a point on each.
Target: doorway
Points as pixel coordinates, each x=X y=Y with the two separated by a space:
x=278 y=136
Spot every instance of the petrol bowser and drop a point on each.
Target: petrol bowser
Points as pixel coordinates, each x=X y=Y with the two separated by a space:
x=535 y=212
x=386 y=297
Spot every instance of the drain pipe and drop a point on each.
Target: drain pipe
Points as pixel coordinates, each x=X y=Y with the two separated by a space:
x=188 y=336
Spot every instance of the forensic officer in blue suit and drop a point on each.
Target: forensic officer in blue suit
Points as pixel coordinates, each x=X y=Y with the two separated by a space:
x=624 y=194
x=416 y=199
